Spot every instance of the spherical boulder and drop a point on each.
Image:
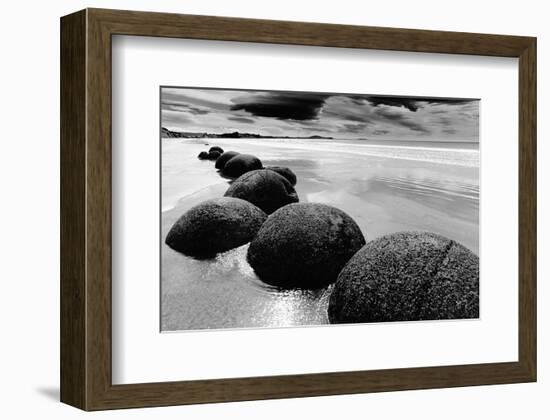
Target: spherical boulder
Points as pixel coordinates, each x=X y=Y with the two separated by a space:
x=284 y=171
x=213 y=155
x=203 y=155
x=241 y=164
x=407 y=276
x=215 y=226
x=216 y=149
x=304 y=246
x=225 y=156
x=265 y=189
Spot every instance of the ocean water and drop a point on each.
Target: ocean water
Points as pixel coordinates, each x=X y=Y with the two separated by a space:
x=389 y=187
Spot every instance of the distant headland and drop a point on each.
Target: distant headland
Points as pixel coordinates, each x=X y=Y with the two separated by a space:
x=165 y=133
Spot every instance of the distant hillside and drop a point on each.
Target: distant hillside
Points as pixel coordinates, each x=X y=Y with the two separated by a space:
x=165 y=133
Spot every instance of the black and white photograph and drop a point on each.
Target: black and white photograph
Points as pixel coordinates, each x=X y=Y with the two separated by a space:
x=287 y=209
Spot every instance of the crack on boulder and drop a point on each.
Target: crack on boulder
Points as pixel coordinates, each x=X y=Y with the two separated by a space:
x=427 y=284
x=438 y=263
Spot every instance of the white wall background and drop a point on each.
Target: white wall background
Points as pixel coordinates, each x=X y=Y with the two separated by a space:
x=29 y=221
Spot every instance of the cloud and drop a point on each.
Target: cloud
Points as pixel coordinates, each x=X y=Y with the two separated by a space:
x=445 y=121
x=446 y=101
x=402 y=119
x=242 y=120
x=212 y=99
x=181 y=107
x=174 y=118
x=311 y=125
x=408 y=103
x=412 y=103
x=283 y=106
x=354 y=128
x=411 y=125
x=380 y=132
x=347 y=109
x=378 y=117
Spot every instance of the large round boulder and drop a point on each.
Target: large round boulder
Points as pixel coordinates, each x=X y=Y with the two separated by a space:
x=286 y=172
x=264 y=188
x=407 y=276
x=213 y=155
x=224 y=157
x=216 y=149
x=203 y=155
x=304 y=246
x=241 y=164
x=215 y=226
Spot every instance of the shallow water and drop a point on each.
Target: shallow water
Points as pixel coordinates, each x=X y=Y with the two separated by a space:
x=385 y=188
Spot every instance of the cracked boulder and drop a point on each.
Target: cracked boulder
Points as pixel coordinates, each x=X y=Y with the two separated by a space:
x=407 y=276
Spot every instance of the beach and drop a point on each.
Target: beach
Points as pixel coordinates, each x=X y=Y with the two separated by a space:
x=385 y=188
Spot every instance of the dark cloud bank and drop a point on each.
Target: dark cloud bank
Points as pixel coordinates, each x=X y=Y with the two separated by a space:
x=284 y=106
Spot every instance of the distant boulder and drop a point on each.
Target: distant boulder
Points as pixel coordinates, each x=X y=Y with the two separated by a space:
x=216 y=149
x=225 y=156
x=213 y=155
x=286 y=172
x=304 y=246
x=407 y=276
x=215 y=226
x=264 y=188
x=203 y=155
x=241 y=164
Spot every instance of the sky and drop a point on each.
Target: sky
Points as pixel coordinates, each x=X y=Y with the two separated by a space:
x=303 y=114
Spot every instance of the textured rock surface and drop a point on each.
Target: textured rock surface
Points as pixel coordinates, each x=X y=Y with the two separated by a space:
x=407 y=276
x=286 y=172
x=222 y=160
x=213 y=155
x=203 y=155
x=241 y=164
x=215 y=226
x=304 y=246
x=216 y=149
x=264 y=188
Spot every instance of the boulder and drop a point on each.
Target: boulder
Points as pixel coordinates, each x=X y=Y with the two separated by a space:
x=264 y=188
x=407 y=276
x=225 y=156
x=216 y=149
x=203 y=155
x=304 y=246
x=215 y=226
x=286 y=172
x=241 y=164
x=213 y=155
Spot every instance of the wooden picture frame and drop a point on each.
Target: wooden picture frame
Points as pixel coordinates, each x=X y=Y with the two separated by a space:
x=86 y=209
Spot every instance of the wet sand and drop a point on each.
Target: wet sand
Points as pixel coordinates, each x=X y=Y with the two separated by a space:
x=384 y=189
